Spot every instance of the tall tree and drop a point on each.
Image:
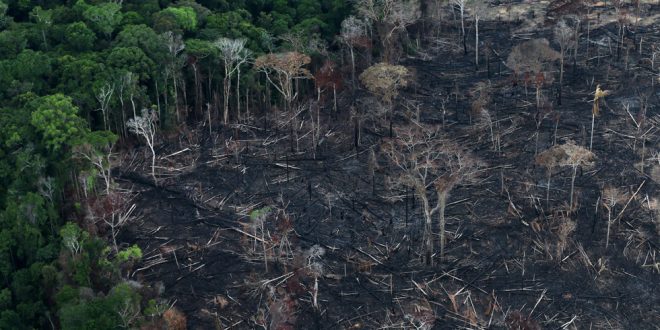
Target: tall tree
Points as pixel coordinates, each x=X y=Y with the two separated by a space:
x=233 y=54
x=533 y=58
x=432 y=165
x=145 y=126
x=104 y=18
x=390 y=17
x=44 y=19
x=175 y=45
x=564 y=37
x=353 y=32
x=385 y=80
x=282 y=70
x=56 y=119
x=575 y=156
x=461 y=4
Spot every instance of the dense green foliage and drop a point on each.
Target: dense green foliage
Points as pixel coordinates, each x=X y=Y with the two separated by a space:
x=56 y=60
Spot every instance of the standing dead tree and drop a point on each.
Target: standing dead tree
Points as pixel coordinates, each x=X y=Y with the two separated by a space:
x=233 y=54
x=390 y=17
x=353 y=33
x=432 y=165
x=482 y=93
x=175 y=45
x=104 y=96
x=98 y=152
x=611 y=197
x=564 y=35
x=115 y=210
x=550 y=159
x=282 y=70
x=479 y=8
x=461 y=7
x=574 y=157
x=145 y=126
x=385 y=80
x=534 y=58
x=567 y=154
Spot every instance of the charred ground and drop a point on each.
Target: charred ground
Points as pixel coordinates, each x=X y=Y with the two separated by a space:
x=511 y=260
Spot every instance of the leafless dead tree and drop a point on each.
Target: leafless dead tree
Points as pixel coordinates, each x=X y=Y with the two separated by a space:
x=353 y=32
x=611 y=196
x=575 y=157
x=533 y=58
x=145 y=126
x=233 y=54
x=564 y=37
x=432 y=165
x=389 y=17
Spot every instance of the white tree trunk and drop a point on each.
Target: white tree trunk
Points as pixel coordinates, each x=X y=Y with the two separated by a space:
x=476 y=43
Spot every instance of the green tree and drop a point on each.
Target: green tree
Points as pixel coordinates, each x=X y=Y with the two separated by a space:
x=79 y=37
x=12 y=42
x=104 y=18
x=55 y=118
x=72 y=238
x=4 y=19
x=143 y=37
x=131 y=59
x=44 y=19
x=185 y=17
x=78 y=77
x=119 y=308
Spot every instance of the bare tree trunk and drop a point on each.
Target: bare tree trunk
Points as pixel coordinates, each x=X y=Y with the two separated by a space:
x=463 y=29
x=160 y=114
x=166 y=98
x=593 y=120
x=247 y=102
x=442 y=199
x=428 y=225
x=352 y=66
x=572 y=186
x=197 y=91
x=133 y=105
x=185 y=99
x=609 y=223
x=238 y=92
x=561 y=73
x=153 y=164
x=476 y=43
x=176 y=99
x=226 y=90
x=334 y=95
x=547 y=190
x=208 y=111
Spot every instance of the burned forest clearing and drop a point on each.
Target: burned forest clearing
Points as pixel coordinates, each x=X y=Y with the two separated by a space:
x=324 y=164
x=440 y=194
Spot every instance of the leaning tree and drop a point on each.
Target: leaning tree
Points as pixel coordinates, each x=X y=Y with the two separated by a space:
x=433 y=166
